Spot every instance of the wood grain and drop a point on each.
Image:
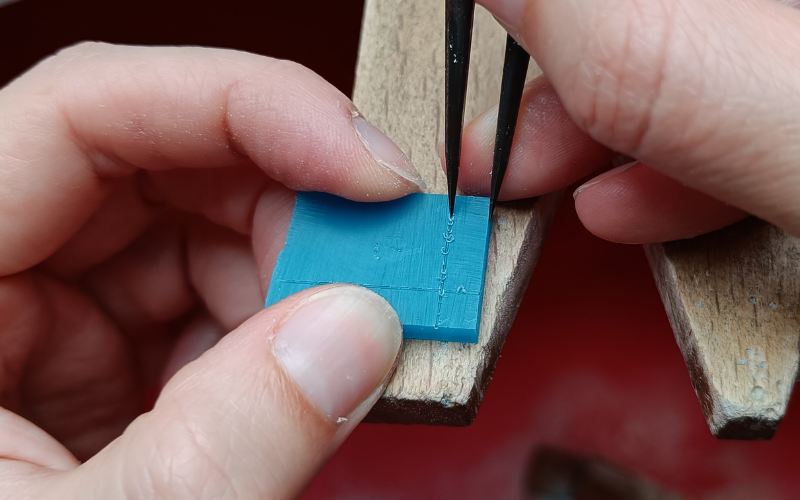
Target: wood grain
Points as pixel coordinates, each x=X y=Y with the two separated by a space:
x=400 y=88
x=732 y=299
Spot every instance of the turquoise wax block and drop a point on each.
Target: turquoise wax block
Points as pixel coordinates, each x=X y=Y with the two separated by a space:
x=430 y=267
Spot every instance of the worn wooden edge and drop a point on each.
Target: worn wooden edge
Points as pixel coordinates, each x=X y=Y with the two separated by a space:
x=665 y=277
x=508 y=303
x=400 y=89
x=442 y=412
x=728 y=415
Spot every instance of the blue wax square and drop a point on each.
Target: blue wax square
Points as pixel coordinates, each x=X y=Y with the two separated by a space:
x=430 y=267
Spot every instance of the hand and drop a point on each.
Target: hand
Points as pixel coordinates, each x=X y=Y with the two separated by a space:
x=705 y=94
x=144 y=196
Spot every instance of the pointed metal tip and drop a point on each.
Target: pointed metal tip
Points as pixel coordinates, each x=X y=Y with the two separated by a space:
x=459 y=16
x=515 y=68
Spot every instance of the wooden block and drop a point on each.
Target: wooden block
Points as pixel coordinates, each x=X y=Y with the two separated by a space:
x=400 y=88
x=429 y=266
x=732 y=299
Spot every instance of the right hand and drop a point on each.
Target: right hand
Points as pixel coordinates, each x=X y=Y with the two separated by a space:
x=705 y=94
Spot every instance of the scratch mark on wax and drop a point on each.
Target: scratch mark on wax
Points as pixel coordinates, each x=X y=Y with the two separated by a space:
x=448 y=239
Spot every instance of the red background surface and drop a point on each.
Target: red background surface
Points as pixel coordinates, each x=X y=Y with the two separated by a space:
x=590 y=365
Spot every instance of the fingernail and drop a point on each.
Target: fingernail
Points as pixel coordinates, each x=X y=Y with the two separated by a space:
x=386 y=152
x=339 y=346
x=600 y=178
x=508 y=12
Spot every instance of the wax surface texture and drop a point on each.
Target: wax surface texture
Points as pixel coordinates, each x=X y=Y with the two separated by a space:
x=430 y=267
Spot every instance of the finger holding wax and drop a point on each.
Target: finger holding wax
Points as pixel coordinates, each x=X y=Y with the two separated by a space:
x=96 y=112
x=259 y=413
x=98 y=136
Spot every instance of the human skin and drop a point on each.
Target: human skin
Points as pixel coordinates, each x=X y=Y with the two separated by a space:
x=703 y=93
x=145 y=194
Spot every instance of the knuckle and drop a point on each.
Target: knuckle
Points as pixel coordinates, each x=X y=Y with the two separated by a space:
x=621 y=72
x=51 y=76
x=81 y=49
x=71 y=55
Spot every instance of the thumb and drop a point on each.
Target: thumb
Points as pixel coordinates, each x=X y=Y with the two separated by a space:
x=257 y=415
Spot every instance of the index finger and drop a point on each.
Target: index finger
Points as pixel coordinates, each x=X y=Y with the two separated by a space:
x=95 y=112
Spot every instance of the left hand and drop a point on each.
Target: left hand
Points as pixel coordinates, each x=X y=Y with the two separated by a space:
x=144 y=196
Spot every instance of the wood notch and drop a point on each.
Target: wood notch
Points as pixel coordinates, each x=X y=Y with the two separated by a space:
x=732 y=300
x=428 y=265
x=400 y=88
